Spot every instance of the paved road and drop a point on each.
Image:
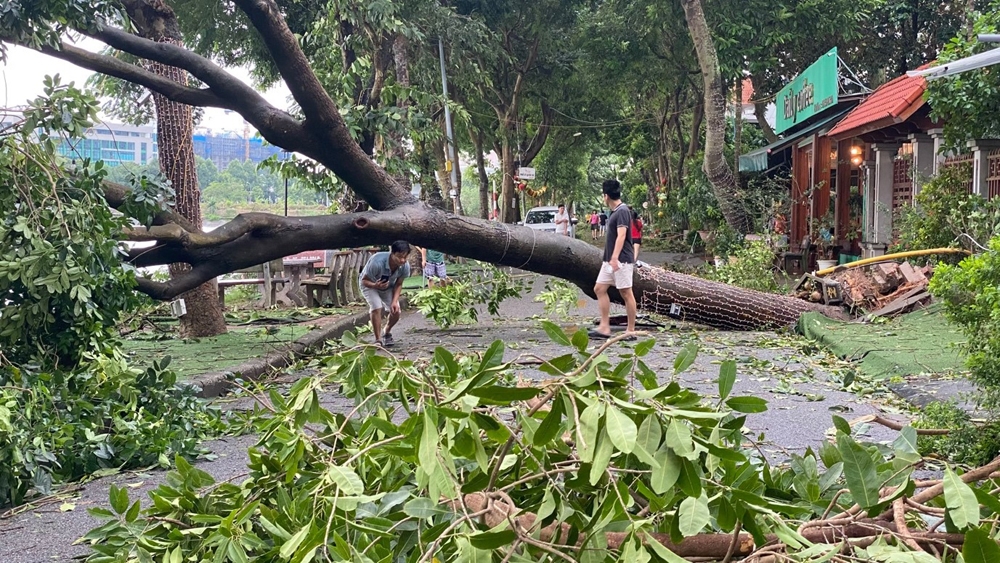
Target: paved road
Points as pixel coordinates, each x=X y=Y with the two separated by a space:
x=795 y=384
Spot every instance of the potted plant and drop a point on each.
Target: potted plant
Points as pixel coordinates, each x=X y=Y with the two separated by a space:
x=822 y=239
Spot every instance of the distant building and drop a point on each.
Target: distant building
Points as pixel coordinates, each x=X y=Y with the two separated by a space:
x=113 y=143
x=223 y=149
x=118 y=144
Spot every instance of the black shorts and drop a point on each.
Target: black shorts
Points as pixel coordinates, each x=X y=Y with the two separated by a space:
x=594 y=227
x=637 y=240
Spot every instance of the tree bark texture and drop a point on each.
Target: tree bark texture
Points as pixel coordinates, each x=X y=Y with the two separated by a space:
x=484 y=179
x=252 y=239
x=717 y=168
x=174 y=127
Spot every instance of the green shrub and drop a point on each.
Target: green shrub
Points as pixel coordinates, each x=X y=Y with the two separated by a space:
x=967 y=443
x=58 y=426
x=970 y=292
x=751 y=266
x=946 y=215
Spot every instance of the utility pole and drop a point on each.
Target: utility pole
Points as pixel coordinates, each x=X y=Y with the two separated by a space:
x=452 y=153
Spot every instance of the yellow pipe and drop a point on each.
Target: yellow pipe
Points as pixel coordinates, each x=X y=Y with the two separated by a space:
x=890 y=257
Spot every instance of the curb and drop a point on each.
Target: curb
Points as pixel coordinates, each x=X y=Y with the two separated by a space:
x=215 y=383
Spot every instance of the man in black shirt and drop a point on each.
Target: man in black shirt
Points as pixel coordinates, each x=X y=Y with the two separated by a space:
x=616 y=270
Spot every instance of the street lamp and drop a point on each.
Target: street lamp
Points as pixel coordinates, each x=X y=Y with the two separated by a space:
x=285 y=174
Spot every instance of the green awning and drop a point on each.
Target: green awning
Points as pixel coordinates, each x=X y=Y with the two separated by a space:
x=757 y=160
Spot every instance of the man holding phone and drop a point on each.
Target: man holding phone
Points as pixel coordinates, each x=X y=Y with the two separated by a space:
x=381 y=283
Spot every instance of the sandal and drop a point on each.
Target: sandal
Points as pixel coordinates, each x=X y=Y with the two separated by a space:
x=598 y=335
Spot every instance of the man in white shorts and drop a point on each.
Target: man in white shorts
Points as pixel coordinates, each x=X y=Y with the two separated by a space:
x=619 y=259
x=381 y=283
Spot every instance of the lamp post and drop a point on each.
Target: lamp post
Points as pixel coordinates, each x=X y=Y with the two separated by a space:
x=285 y=174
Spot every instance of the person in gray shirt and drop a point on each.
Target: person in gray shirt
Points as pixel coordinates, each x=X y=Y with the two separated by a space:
x=619 y=259
x=381 y=283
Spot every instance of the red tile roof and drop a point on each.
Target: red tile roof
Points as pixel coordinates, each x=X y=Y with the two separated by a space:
x=893 y=102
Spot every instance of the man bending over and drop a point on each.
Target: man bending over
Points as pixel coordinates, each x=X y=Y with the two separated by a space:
x=381 y=284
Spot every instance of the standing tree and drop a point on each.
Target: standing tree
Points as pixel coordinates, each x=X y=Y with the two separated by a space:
x=322 y=135
x=717 y=168
x=156 y=21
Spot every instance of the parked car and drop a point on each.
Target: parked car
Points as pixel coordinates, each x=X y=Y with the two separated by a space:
x=544 y=219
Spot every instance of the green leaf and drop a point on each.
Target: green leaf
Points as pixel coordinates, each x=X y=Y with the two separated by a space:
x=447 y=360
x=650 y=435
x=621 y=429
x=841 y=425
x=727 y=378
x=550 y=424
x=678 y=437
x=581 y=340
x=689 y=479
x=504 y=395
x=664 y=476
x=986 y=499
x=493 y=356
x=289 y=547
x=427 y=453
x=492 y=540
x=347 y=480
x=118 y=498
x=685 y=358
x=422 y=507
x=859 y=471
x=979 y=547
x=133 y=512
x=959 y=498
x=588 y=430
x=643 y=348
x=905 y=445
x=556 y=333
x=748 y=405
x=602 y=457
x=693 y=515
x=663 y=553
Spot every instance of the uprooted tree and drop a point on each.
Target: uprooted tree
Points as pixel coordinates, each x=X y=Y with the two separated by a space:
x=321 y=134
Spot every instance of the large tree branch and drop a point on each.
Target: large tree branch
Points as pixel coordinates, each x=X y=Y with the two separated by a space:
x=257 y=238
x=116 y=195
x=291 y=62
x=104 y=64
x=275 y=125
x=538 y=141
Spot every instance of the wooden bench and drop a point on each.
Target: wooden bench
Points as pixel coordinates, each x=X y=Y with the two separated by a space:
x=341 y=284
x=264 y=277
x=274 y=282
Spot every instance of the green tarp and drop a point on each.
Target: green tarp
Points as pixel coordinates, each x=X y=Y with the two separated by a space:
x=915 y=343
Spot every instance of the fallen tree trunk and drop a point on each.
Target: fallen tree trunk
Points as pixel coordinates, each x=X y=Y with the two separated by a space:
x=256 y=238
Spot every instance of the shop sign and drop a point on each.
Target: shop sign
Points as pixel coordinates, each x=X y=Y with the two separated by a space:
x=813 y=91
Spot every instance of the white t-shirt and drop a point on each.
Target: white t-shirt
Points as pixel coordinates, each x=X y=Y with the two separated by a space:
x=562 y=228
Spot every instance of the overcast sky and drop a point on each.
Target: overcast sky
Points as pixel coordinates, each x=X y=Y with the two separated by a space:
x=22 y=81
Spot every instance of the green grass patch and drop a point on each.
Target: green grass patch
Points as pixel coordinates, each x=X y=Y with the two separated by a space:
x=194 y=356
x=919 y=342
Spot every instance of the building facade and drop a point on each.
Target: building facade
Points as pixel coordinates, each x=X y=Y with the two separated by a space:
x=118 y=144
x=113 y=143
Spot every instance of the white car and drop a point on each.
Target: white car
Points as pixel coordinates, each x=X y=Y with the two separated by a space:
x=544 y=219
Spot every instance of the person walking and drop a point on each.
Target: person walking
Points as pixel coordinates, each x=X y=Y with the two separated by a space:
x=636 y=228
x=604 y=222
x=595 y=225
x=381 y=284
x=616 y=269
x=435 y=270
x=562 y=221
